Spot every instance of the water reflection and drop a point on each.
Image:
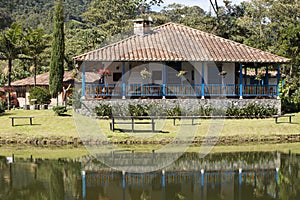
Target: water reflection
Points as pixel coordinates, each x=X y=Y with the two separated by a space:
x=217 y=176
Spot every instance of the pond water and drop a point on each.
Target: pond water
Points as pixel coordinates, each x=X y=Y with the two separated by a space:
x=256 y=175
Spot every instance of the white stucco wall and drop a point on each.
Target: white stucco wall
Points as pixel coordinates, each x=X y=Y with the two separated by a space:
x=230 y=76
x=211 y=73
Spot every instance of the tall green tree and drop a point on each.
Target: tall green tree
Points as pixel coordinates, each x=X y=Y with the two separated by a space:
x=11 y=48
x=273 y=25
x=36 y=42
x=5 y=19
x=57 y=51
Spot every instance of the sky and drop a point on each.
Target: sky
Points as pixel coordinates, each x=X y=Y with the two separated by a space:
x=204 y=4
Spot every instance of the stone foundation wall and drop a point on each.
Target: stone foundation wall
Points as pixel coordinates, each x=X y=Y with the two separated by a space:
x=121 y=105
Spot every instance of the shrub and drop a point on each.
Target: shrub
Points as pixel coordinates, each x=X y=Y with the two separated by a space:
x=252 y=110
x=233 y=111
x=176 y=111
x=103 y=110
x=59 y=110
x=74 y=99
x=139 y=110
x=205 y=111
x=40 y=94
x=3 y=105
x=217 y=112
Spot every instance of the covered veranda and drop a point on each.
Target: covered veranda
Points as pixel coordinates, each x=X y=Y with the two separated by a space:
x=242 y=87
x=175 y=61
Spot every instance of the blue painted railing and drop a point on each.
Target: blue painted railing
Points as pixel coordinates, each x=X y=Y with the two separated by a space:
x=179 y=90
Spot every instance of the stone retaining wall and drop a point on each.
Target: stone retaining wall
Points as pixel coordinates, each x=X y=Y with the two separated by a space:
x=121 y=105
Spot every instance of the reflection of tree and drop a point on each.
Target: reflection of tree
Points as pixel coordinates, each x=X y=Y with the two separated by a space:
x=289 y=178
x=56 y=185
x=34 y=190
x=45 y=179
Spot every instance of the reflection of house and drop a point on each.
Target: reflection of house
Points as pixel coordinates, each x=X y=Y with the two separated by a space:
x=22 y=87
x=191 y=175
x=214 y=66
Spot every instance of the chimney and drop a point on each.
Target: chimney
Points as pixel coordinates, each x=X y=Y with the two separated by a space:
x=142 y=26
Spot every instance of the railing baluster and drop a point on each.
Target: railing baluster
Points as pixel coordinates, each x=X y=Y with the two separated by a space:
x=251 y=90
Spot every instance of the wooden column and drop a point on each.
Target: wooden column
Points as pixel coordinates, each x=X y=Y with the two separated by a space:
x=202 y=82
x=278 y=80
x=164 y=80
x=83 y=80
x=83 y=184
x=241 y=81
x=267 y=80
x=123 y=81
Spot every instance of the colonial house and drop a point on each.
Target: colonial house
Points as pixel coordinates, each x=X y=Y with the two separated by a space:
x=176 y=61
x=22 y=87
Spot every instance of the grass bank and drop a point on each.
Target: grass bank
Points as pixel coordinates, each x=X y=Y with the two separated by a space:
x=54 y=152
x=45 y=125
x=48 y=126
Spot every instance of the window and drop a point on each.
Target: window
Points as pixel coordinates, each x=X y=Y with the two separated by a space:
x=193 y=75
x=117 y=76
x=156 y=75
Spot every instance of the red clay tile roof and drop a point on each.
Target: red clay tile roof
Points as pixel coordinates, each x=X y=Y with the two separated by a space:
x=43 y=79
x=174 y=42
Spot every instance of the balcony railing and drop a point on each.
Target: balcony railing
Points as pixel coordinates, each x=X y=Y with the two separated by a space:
x=179 y=90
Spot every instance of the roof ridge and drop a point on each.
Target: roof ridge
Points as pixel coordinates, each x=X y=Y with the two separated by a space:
x=123 y=40
x=219 y=37
x=219 y=48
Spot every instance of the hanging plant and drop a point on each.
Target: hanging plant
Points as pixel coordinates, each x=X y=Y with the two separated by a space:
x=223 y=73
x=145 y=73
x=258 y=77
x=104 y=72
x=181 y=73
x=32 y=69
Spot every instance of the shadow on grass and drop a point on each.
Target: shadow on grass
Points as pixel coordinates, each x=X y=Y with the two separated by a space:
x=27 y=125
x=286 y=122
x=65 y=115
x=164 y=132
x=6 y=114
x=119 y=130
x=188 y=124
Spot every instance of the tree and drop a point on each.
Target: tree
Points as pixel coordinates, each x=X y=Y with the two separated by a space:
x=36 y=42
x=57 y=51
x=194 y=16
x=274 y=25
x=11 y=47
x=5 y=19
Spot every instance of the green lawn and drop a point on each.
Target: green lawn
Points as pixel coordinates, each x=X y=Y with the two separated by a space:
x=48 y=125
x=45 y=125
x=236 y=128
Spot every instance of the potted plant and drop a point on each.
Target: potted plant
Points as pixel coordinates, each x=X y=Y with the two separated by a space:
x=104 y=72
x=181 y=73
x=223 y=73
x=258 y=77
x=145 y=73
